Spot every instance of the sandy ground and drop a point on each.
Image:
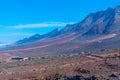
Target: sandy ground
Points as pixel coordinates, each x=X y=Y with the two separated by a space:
x=82 y=65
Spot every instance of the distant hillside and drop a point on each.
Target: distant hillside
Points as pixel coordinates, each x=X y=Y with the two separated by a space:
x=100 y=30
x=38 y=37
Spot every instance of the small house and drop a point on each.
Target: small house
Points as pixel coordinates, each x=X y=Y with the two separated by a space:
x=27 y=58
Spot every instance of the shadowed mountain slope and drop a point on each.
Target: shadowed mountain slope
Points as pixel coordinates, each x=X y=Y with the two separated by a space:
x=97 y=31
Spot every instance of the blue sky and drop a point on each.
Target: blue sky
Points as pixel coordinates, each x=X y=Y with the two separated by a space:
x=23 y=18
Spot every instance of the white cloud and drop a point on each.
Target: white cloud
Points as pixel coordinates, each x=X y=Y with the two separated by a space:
x=4 y=44
x=40 y=25
x=16 y=34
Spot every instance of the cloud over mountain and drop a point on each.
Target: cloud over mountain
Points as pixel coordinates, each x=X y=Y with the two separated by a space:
x=40 y=25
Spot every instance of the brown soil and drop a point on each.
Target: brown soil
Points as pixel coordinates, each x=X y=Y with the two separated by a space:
x=57 y=68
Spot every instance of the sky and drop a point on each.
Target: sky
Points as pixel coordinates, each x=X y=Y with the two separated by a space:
x=23 y=18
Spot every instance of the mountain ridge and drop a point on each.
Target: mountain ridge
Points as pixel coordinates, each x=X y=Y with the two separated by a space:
x=97 y=31
x=101 y=22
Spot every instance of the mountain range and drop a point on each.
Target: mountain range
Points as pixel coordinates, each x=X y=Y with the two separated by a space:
x=100 y=30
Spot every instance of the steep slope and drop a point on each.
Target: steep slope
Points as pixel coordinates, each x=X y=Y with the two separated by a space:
x=38 y=37
x=107 y=23
x=102 y=22
x=93 y=33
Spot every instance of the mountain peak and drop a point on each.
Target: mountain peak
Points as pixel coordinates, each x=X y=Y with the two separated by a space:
x=99 y=23
x=36 y=35
x=117 y=9
x=118 y=6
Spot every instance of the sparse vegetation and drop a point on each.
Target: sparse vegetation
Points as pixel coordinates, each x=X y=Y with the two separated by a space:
x=63 y=67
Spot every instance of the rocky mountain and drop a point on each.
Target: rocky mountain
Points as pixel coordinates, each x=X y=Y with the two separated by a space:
x=100 y=30
x=102 y=22
x=38 y=37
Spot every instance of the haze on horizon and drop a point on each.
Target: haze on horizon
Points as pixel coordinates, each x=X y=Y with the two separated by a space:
x=23 y=18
